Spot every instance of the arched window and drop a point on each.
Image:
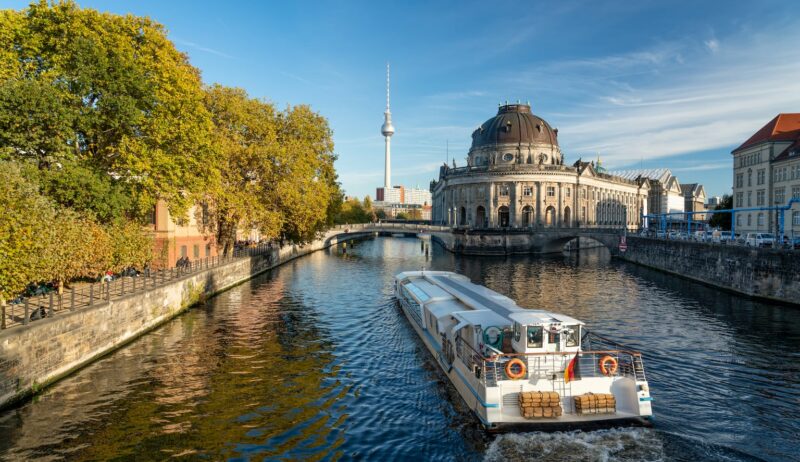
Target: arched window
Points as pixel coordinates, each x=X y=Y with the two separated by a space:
x=567 y=217
x=527 y=216
x=749 y=177
x=462 y=216
x=550 y=216
x=503 y=216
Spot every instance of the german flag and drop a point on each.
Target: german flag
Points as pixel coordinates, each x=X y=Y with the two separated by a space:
x=572 y=372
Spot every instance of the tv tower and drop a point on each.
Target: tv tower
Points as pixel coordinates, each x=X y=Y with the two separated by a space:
x=387 y=130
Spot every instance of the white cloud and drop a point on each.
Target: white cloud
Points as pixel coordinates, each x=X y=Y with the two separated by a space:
x=648 y=104
x=202 y=48
x=712 y=45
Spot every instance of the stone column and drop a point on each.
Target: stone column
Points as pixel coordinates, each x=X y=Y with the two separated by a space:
x=538 y=220
x=560 y=207
x=513 y=219
x=490 y=207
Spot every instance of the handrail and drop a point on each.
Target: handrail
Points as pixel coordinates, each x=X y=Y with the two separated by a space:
x=562 y=353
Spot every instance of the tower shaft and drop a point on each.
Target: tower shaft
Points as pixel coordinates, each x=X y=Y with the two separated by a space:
x=387 y=130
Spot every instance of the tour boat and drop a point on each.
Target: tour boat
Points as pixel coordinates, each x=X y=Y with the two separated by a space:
x=520 y=368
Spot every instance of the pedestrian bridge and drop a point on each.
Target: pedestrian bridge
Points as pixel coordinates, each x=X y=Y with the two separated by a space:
x=488 y=241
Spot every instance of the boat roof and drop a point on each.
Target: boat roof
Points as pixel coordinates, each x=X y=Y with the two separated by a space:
x=485 y=318
x=456 y=292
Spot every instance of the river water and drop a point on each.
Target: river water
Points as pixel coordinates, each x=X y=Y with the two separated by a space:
x=313 y=361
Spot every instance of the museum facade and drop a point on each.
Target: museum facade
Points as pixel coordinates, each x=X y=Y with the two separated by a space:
x=515 y=177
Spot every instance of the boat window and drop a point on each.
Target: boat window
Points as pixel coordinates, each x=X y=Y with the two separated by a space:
x=573 y=335
x=517 y=331
x=534 y=336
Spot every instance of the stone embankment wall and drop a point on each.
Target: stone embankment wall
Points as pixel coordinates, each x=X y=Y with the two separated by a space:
x=35 y=355
x=763 y=273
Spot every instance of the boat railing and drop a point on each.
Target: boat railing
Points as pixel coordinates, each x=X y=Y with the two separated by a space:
x=551 y=365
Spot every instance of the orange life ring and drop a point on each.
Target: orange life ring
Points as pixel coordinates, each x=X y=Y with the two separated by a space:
x=608 y=365
x=515 y=375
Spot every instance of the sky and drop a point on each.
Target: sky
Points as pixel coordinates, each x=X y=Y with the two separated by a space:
x=641 y=84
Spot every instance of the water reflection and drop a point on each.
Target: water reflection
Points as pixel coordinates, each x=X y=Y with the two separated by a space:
x=313 y=361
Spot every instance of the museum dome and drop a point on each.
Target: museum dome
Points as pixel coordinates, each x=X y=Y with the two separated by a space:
x=514 y=124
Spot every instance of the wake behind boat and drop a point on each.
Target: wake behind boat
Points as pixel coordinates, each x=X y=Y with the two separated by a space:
x=518 y=367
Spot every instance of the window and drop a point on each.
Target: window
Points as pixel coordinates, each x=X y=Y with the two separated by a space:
x=573 y=335
x=780 y=195
x=749 y=198
x=184 y=251
x=796 y=218
x=739 y=199
x=760 y=197
x=760 y=221
x=795 y=192
x=527 y=190
x=534 y=336
x=739 y=180
x=760 y=176
x=567 y=192
x=593 y=195
x=196 y=250
x=749 y=177
x=208 y=250
x=738 y=220
x=583 y=193
x=508 y=157
x=504 y=190
x=551 y=191
x=749 y=220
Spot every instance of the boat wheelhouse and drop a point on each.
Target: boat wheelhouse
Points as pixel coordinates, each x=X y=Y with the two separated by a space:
x=518 y=367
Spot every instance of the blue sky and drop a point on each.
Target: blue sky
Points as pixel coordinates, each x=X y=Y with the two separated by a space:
x=654 y=84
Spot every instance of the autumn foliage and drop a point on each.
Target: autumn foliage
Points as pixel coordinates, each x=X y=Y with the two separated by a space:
x=101 y=117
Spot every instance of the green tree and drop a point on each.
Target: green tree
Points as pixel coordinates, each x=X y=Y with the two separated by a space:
x=85 y=190
x=112 y=88
x=305 y=175
x=246 y=156
x=722 y=220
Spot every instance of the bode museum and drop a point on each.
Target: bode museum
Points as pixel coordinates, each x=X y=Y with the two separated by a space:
x=515 y=177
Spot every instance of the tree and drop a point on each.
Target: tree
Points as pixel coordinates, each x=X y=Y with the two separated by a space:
x=415 y=214
x=108 y=89
x=82 y=248
x=722 y=220
x=26 y=232
x=305 y=174
x=130 y=247
x=85 y=190
x=402 y=216
x=246 y=152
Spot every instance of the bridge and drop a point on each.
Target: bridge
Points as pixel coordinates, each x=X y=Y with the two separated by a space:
x=486 y=241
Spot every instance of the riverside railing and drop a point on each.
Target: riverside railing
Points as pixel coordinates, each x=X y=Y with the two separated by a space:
x=30 y=309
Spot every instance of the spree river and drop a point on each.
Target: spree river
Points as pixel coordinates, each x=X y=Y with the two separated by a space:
x=313 y=361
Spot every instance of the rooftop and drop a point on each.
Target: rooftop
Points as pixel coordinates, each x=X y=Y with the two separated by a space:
x=784 y=127
x=658 y=174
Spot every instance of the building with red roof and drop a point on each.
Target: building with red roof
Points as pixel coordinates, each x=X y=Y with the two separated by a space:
x=766 y=172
